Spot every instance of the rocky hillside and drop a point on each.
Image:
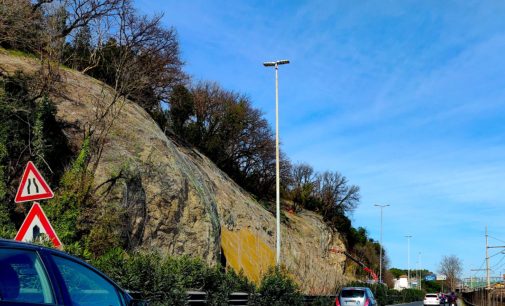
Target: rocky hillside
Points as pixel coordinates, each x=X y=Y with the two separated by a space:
x=179 y=202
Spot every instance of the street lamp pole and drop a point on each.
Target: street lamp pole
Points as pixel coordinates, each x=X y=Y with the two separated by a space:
x=277 y=166
x=408 y=259
x=380 y=256
x=420 y=272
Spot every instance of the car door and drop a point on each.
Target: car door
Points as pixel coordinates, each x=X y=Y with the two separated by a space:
x=373 y=302
x=84 y=286
x=24 y=279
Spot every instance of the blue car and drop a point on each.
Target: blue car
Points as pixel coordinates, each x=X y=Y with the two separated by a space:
x=35 y=275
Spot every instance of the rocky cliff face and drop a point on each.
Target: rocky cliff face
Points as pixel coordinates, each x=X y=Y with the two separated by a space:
x=179 y=202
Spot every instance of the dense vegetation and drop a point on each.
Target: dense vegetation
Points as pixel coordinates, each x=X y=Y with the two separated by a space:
x=29 y=131
x=139 y=58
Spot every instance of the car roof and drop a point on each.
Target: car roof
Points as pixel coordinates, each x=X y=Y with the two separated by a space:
x=354 y=288
x=31 y=246
x=36 y=247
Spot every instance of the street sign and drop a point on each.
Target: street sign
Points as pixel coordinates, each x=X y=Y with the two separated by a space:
x=430 y=277
x=33 y=187
x=36 y=223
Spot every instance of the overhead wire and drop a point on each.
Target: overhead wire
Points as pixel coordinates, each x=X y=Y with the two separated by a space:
x=497 y=253
x=496 y=238
x=496 y=264
x=480 y=268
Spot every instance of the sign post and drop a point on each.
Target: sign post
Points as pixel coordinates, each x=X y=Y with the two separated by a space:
x=33 y=187
x=36 y=223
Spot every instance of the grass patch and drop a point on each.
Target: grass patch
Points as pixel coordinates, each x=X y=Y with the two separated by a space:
x=18 y=53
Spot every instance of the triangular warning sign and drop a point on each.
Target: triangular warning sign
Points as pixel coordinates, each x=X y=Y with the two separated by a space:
x=33 y=187
x=35 y=224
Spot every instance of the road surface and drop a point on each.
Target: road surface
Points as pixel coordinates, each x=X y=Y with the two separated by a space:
x=411 y=304
x=421 y=304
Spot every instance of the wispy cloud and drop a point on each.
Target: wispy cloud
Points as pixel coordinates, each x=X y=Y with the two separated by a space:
x=407 y=99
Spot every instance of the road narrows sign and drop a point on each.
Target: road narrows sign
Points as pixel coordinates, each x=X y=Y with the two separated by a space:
x=33 y=187
x=35 y=224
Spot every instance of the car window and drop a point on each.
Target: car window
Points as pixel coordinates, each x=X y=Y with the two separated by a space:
x=85 y=287
x=23 y=278
x=352 y=293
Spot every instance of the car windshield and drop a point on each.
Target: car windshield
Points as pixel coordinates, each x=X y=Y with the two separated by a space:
x=352 y=293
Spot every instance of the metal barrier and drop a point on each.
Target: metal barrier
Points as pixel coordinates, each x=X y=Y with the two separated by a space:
x=238 y=298
x=243 y=298
x=196 y=297
x=309 y=299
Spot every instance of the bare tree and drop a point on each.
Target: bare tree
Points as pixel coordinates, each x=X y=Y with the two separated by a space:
x=81 y=12
x=19 y=25
x=451 y=267
x=336 y=194
x=303 y=179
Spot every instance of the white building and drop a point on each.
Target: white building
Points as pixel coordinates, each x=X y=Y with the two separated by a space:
x=402 y=282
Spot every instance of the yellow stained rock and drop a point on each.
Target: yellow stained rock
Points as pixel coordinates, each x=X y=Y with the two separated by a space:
x=246 y=251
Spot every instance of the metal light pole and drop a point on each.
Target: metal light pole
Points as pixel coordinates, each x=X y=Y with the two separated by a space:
x=380 y=256
x=419 y=268
x=408 y=259
x=277 y=176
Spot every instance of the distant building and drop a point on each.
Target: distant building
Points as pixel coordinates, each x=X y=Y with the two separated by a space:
x=402 y=282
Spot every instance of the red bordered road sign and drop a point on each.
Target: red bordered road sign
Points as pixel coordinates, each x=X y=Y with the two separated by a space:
x=33 y=187
x=34 y=224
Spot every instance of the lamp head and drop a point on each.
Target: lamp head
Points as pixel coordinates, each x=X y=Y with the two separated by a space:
x=276 y=63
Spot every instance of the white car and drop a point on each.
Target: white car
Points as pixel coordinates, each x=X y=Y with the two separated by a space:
x=431 y=299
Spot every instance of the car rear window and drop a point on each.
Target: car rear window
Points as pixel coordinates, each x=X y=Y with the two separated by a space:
x=431 y=295
x=23 y=278
x=352 y=293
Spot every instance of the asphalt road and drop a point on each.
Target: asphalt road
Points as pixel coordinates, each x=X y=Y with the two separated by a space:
x=421 y=304
x=411 y=304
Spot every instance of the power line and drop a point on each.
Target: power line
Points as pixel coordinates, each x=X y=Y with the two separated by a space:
x=480 y=268
x=496 y=239
x=498 y=266
x=501 y=259
x=500 y=252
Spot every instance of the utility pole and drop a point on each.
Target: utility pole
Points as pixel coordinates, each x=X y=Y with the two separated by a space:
x=408 y=260
x=487 y=264
x=488 y=279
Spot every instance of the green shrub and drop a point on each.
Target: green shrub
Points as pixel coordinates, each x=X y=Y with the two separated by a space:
x=157 y=279
x=165 y=280
x=412 y=295
x=323 y=301
x=278 y=288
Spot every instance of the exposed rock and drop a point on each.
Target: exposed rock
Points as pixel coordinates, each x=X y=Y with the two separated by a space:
x=179 y=202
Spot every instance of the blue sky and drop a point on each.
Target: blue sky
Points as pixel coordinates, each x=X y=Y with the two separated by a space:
x=405 y=98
